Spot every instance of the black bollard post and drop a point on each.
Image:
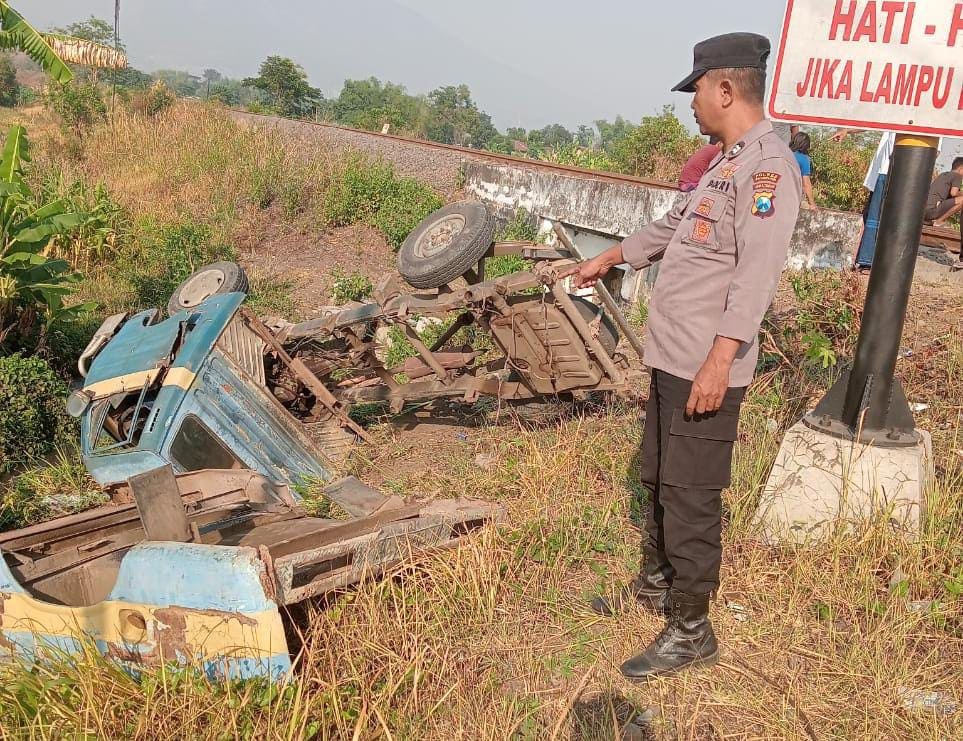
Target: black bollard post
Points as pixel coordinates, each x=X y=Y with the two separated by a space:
x=868 y=403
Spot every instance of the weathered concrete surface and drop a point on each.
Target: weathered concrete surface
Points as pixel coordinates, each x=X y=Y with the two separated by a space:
x=819 y=483
x=823 y=239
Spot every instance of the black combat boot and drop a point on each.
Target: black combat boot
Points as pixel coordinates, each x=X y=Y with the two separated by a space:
x=649 y=590
x=686 y=641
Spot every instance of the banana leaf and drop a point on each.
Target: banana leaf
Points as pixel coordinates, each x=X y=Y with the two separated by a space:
x=49 y=228
x=15 y=152
x=16 y=33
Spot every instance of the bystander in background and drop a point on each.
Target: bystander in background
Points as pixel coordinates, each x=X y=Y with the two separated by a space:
x=697 y=165
x=800 y=145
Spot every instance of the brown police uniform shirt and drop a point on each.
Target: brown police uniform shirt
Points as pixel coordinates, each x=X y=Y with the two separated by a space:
x=722 y=250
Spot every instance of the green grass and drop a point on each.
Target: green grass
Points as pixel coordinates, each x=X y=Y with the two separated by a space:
x=347 y=287
x=48 y=489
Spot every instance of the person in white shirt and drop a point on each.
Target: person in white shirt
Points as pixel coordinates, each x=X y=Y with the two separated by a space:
x=875 y=183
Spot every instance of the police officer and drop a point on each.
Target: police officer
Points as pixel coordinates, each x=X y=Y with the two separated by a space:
x=722 y=249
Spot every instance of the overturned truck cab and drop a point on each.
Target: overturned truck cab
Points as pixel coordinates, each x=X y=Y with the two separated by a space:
x=205 y=540
x=203 y=426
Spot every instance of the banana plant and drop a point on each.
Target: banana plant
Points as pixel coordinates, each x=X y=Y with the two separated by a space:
x=32 y=285
x=51 y=51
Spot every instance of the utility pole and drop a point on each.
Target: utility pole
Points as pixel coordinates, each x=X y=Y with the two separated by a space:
x=868 y=404
x=858 y=455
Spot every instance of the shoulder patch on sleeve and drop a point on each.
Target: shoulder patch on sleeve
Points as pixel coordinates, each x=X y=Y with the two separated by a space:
x=764 y=193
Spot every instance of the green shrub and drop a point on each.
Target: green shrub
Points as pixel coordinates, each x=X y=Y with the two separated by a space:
x=574 y=155
x=270 y=295
x=357 y=191
x=79 y=104
x=520 y=228
x=33 y=285
x=9 y=87
x=364 y=192
x=103 y=227
x=824 y=324
x=32 y=414
x=158 y=98
x=657 y=148
x=839 y=169
x=350 y=287
x=407 y=202
x=166 y=257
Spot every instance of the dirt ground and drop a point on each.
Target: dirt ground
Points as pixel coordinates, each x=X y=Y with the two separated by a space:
x=309 y=261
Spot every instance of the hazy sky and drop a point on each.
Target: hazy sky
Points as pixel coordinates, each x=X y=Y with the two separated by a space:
x=527 y=63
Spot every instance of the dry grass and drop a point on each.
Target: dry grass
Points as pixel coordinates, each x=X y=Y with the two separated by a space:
x=494 y=640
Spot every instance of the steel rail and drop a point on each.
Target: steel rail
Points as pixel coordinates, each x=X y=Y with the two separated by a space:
x=478 y=154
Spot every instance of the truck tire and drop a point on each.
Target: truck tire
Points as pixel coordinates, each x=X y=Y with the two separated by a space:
x=446 y=244
x=211 y=280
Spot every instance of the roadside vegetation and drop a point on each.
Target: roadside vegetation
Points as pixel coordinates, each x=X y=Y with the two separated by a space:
x=859 y=637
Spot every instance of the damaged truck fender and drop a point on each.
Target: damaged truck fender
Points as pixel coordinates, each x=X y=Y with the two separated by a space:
x=182 y=603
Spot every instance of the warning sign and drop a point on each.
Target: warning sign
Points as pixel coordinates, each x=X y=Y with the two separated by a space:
x=872 y=64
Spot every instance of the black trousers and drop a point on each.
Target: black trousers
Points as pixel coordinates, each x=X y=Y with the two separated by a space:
x=686 y=462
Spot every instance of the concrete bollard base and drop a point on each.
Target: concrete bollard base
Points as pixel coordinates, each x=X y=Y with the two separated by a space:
x=820 y=484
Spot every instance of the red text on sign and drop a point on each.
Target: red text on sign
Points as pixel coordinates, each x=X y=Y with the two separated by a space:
x=855 y=22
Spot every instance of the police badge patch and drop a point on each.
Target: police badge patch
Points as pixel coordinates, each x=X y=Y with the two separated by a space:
x=701 y=231
x=705 y=207
x=764 y=193
x=728 y=171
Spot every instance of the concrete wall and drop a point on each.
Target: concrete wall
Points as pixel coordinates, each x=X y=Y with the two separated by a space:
x=823 y=239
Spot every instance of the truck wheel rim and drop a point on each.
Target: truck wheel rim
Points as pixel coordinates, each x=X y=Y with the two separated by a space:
x=200 y=288
x=440 y=236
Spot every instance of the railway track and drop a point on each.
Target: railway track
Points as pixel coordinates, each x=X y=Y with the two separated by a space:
x=467 y=152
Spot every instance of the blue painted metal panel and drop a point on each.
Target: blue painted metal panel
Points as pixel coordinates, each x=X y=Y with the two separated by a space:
x=116 y=468
x=201 y=577
x=29 y=646
x=138 y=347
x=260 y=432
x=201 y=581
x=250 y=422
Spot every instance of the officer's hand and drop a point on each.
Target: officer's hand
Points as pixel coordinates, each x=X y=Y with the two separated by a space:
x=586 y=273
x=708 y=389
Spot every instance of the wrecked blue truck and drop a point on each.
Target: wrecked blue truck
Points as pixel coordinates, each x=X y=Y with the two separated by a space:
x=205 y=425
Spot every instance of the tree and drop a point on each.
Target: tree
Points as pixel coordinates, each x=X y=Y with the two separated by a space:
x=210 y=75
x=184 y=84
x=286 y=84
x=657 y=148
x=585 y=136
x=9 y=87
x=555 y=136
x=455 y=119
x=132 y=79
x=370 y=104
x=225 y=92
x=611 y=133
x=93 y=29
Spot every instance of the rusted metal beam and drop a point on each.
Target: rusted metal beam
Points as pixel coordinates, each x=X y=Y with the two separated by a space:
x=304 y=374
x=424 y=352
x=613 y=308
